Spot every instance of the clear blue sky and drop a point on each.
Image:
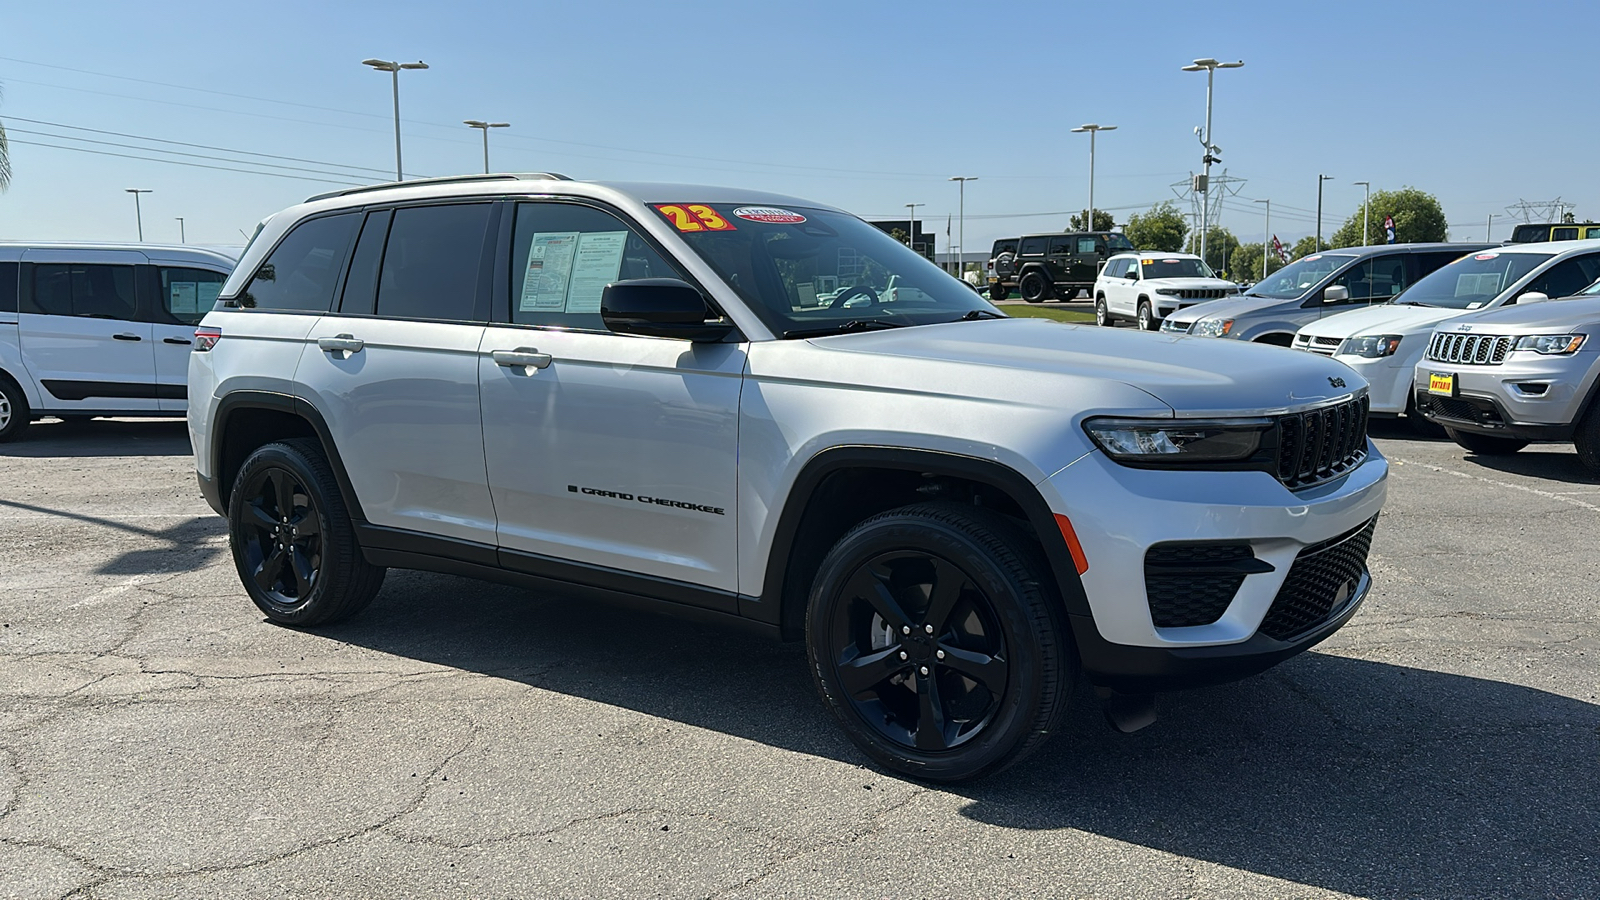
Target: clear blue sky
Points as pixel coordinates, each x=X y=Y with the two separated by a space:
x=866 y=105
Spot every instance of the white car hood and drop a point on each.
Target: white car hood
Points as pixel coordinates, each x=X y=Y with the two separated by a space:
x=1387 y=318
x=1192 y=375
x=1202 y=284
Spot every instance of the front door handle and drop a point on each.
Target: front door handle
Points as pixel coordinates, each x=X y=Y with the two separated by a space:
x=341 y=343
x=180 y=341
x=522 y=357
x=126 y=337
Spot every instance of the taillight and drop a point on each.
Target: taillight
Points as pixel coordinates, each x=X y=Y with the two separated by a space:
x=206 y=338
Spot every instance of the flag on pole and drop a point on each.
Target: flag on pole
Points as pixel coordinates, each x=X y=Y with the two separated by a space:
x=1278 y=248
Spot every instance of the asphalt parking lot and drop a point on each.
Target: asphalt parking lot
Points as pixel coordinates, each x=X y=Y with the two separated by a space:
x=158 y=738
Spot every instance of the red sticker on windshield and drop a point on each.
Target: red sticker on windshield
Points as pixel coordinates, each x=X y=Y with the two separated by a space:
x=1486 y=256
x=769 y=214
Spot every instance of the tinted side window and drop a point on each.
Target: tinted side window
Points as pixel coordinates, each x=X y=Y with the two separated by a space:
x=361 y=284
x=1378 y=278
x=1060 y=245
x=8 y=287
x=1563 y=234
x=1033 y=246
x=92 y=291
x=432 y=263
x=303 y=270
x=1428 y=263
x=1007 y=246
x=1566 y=278
x=188 y=294
x=563 y=255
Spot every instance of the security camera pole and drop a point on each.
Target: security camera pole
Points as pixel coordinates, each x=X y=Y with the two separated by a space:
x=1210 y=67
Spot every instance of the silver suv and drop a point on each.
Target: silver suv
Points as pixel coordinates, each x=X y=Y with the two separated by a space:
x=1502 y=379
x=751 y=408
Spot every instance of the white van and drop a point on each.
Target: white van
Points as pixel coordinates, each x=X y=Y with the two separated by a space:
x=100 y=329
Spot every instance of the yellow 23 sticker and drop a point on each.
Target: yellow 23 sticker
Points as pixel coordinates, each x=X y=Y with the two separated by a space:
x=694 y=217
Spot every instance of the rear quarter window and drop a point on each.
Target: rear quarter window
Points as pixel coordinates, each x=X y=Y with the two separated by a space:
x=1032 y=246
x=8 y=287
x=302 y=271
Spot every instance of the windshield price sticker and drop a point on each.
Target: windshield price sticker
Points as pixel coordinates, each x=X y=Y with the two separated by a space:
x=770 y=215
x=691 y=217
x=1486 y=256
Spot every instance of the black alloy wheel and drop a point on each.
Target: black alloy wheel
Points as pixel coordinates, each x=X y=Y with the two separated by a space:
x=1033 y=287
x=1102 y=315
x=933 y=643
x=13 y=410
x=293 y=541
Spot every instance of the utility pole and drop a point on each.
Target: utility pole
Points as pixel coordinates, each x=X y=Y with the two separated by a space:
x=911 y=225
x=1366 y=195
x=181 y=238
x=1266 y=242
x=484 y=127
x=1317 y=248
x=137 y=215
x=1489 y=228
x=394 y=68
x=963 y=217
x=1210 y=67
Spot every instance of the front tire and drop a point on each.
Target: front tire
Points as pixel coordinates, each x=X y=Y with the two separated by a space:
x=1033 y=287
x=1147 y=319
x=293 y=542
x=1486 y=444
x=935 y=644
x=1102 y=315
x=14 y=410
x=1587 y=440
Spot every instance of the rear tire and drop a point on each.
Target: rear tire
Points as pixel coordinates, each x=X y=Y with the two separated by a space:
x=1587 y=439
x=1421 y=425
x=998 y=292
x=14 y=410
x=1102 y=315
x=293 y=542
x=1033 y=287
x=1486 y=444
x=935 y=644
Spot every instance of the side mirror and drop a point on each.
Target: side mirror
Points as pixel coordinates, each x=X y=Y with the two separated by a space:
x=1133 y=274
x=659 y=307
x=1533 y=297
x=1335 y=293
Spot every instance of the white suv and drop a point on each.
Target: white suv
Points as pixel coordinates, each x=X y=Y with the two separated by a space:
x=1146 y=287
x=100 y=329
x=632 y=393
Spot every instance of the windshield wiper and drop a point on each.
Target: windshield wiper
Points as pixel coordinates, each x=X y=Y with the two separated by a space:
x=842 y=328
x=973 y=315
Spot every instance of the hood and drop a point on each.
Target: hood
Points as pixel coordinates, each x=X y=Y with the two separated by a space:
x=1196 y=283
x=1225 y=308
x=1385 y=318
x=1550 y=317
x=1194 y=376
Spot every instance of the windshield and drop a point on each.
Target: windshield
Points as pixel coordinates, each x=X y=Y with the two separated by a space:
x=1472 y=281
x=807 y=272
x=1299 y=276
x=1115 y=242
x=1156 y=267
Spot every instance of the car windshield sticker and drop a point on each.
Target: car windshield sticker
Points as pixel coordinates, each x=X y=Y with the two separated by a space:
x=1148 y=262
x=1313 y=258
x=544 y=285
x=771 y=215
x=596 y=264
x=1170 y=262
x=690 y=217
x=1475 y=305
x=185 y=297
x=1486 y=256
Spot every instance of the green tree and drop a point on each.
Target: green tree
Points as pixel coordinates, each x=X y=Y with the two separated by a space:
x=1417 y=217
x=1220 y=246
x=1307 y=246
x=1102 y=221
x=1161 y=228
x=1246 y=263
x=900 y=235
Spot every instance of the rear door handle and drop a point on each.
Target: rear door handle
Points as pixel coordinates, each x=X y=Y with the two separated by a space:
x=176 y=341
x=522 y=357
x=341 y=343
x=126 y=337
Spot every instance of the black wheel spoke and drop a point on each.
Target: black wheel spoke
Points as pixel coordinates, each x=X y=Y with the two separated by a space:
x=267 y=574
x=260 y=518
x=306 y=525
x=284 y=490
x=304 y=572
x=947 y=584
x=861 y=674
x=871 y=583
x=987 y=670
x=930 y=715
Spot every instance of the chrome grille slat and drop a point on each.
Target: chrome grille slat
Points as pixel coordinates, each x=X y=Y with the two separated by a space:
x=1470 y=349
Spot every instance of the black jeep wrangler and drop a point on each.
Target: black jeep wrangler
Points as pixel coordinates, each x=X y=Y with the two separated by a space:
x=1042 y=266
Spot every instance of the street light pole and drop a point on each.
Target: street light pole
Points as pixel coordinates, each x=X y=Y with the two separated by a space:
x=1093 y=130
x=393 y=68
x=138 y=216
x=484 y=127
x=911 y=225
x=1317 y=248
x=1265 y=245
x=1210 y=66
x=181 y=237
x=963 y=220
x=1366 y=195
x=1489 y=228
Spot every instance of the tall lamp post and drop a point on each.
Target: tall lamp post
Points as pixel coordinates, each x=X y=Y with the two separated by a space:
x=1317 y=248
x=393 y=68
x=1210 y=67
x=1266 y=246
x=962 y=217
x=1488 y=227
x=911 y=225
x=1366 y=195
x=182 y=239
x=484 y=127
x=1092 y=129
x=138 y=216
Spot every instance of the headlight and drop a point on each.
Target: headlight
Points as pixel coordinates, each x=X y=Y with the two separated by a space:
x=1212 y=327
x=1176 y=442
x=1370 y=346
x=1551 y=344
x=1170 y=292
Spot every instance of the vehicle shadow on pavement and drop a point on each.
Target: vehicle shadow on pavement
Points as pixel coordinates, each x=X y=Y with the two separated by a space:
x=183 y=545
x=108 y=437
x=1551 y=466
x=1361 y=777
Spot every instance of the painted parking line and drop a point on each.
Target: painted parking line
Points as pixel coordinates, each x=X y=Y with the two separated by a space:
x=1552 y=495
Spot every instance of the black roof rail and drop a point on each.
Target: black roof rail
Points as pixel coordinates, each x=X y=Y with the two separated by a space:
x=443 y=179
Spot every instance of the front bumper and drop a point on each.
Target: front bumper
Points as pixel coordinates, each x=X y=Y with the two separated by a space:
x=1538 y=399
x=1119 y=513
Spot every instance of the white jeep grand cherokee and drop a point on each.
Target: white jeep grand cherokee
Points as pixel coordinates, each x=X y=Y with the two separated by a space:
x=632 y=393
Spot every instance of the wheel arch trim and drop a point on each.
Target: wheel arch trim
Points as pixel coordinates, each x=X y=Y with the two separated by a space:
x=247 y=400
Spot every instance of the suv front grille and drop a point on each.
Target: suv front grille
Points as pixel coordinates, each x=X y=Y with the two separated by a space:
x=1327 y=346
x=1188 y=584
x=1323 y=443
x=1470 y=349
x=1203 y=293
x=1482 y=413
x=1321 y=584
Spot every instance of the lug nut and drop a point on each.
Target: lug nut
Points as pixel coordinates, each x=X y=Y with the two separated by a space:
x=940 y=654
x=902 y=654
x=905 y=629
x=924 y=670
x=928 y=628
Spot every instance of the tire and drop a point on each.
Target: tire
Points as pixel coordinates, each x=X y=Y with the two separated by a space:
x=872 y=632
x=998 y=292
x=1486 y=444
x=1033 y=287
x=1421 y=425
x=1587 y=439
x=326 y=579
x=1102 y=315
x=14 y=412
x=1147 y=319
